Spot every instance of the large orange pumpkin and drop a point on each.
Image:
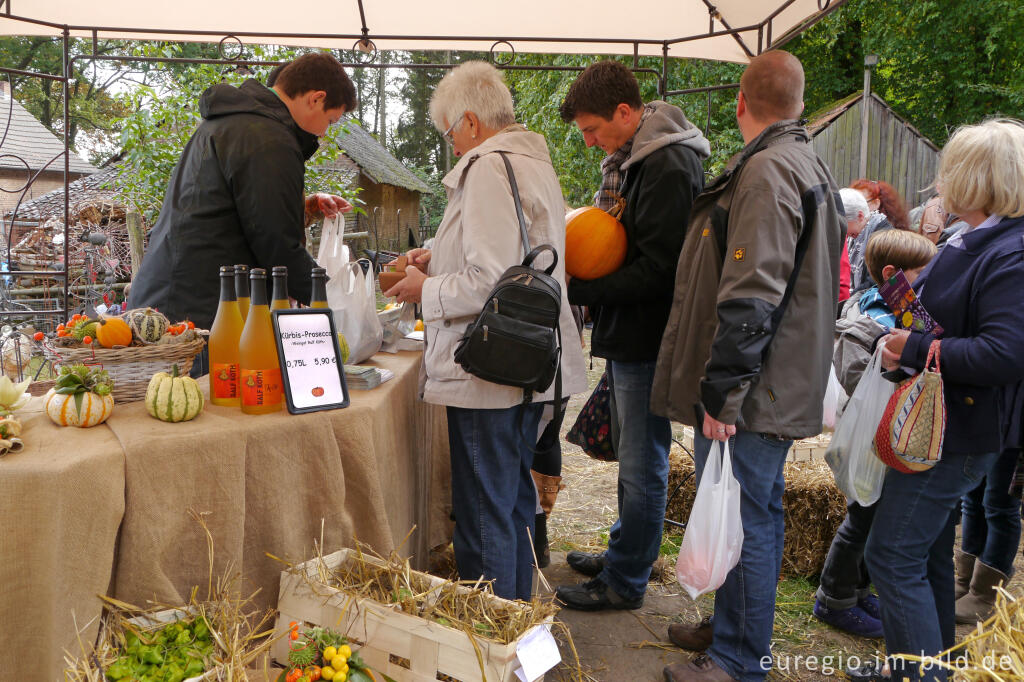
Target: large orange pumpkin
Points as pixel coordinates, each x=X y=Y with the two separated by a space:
x=595 y=243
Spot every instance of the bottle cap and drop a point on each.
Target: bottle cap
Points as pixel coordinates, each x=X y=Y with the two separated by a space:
x=227 y=270
x=279 y=270
x=257 y=273
x=242 y=268
x=319 y=272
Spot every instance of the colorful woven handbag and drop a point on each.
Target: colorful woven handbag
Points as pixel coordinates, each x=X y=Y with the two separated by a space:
x=909 y=435
x=593 y=428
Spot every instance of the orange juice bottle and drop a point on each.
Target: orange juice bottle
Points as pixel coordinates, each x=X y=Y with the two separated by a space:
x=319 y=297
x=280 y=299
x=259 y=375
x=223 y=344
x=242 y=289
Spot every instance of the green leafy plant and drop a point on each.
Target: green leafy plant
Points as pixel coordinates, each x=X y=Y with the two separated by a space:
x=77 y=380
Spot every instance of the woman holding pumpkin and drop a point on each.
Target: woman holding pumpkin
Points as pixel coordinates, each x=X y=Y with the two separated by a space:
x=493 y=496
x=972 y=290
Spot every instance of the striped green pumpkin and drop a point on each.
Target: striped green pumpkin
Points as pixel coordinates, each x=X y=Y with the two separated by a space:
x=173 y=398
x=147 y=324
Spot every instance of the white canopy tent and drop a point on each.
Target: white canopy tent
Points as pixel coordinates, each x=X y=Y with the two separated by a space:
x=725 y=30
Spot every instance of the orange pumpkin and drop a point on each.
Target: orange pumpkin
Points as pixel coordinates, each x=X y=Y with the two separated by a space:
x=595 y=243
x=113 y=331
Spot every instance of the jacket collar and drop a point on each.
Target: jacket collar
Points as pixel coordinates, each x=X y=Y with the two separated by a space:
x=777 y=133
x=514 y=139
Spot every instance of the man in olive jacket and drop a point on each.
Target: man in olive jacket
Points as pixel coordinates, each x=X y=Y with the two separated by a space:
x=745 y=355
x=236 y=195
x=653 y=165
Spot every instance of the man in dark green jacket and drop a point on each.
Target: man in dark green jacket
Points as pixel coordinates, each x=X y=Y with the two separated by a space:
x=236 y=195
x=654 y=169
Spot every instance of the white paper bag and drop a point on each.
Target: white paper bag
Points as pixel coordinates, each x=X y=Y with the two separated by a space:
x=714 y=534
x=851 y=454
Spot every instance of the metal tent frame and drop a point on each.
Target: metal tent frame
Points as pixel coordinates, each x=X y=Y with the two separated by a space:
x=363 y=43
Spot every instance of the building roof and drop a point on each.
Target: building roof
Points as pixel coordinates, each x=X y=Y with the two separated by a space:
x=29 y=140
x=88 y=189
x=376 y=162
x=824 y=117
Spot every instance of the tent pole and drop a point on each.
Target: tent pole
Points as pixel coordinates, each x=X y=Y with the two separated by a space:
x=663 y=81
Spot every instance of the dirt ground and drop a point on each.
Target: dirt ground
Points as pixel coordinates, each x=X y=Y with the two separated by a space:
x=633 y=645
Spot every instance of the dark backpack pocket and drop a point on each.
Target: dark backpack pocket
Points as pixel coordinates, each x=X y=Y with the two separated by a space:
x=510 y=352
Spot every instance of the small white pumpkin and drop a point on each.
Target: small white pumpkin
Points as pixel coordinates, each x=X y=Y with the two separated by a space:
x=173 y=398
x=92 y=410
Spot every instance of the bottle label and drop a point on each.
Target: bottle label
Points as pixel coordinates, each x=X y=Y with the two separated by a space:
x=224 y=380
x=261 y=386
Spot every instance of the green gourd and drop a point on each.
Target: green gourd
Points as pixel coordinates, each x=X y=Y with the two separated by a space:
x=147 y=325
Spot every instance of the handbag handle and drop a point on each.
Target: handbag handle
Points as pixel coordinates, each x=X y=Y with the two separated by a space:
x=933 y=352
x=530 y=257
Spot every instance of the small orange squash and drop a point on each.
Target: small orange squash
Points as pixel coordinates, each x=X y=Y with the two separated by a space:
x=113 y=331
x=595 y=243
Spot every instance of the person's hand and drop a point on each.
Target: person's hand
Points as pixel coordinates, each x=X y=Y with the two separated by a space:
x=326 y=205
x=894 y=342
x=409 y=288
x=716 y=430
x=418 y=256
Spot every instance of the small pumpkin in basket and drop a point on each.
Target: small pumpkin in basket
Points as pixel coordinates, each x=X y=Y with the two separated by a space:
x=81 y=397
x=146 y=324
x=174 y=398
x=113 y=331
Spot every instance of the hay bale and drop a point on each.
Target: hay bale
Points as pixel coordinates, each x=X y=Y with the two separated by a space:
x=812 y=504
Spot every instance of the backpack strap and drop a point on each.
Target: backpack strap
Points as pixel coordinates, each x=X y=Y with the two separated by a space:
x=519 y=206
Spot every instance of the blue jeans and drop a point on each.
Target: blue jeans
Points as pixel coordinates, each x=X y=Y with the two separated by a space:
x=844 y=577
x=991 y=517
x=493 y=498
x=745 y=603
x=910 y=557
x=641 y=442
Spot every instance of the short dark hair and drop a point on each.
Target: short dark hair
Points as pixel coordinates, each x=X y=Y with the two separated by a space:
x=599 y=90
x=274 y=73
x=318 y=71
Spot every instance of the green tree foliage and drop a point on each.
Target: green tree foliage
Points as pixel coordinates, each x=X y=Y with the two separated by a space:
x=942 y=63
x=166 y=115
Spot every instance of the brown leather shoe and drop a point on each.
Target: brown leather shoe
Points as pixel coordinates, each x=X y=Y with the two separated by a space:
x=700 y=669
x=692 y=637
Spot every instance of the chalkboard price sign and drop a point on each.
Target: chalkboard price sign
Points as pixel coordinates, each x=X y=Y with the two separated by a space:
x=307 y=345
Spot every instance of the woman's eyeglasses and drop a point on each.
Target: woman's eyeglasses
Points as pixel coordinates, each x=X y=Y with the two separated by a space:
x=447 y=135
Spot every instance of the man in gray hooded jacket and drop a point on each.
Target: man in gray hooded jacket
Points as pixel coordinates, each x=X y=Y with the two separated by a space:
x=653 y=170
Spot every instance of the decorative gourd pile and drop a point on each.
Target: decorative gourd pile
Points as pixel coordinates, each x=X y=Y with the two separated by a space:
x=80 y=397
x=173 y=398
x=138 y=327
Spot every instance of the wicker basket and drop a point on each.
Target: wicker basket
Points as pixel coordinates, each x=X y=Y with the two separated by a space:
x=132 y=367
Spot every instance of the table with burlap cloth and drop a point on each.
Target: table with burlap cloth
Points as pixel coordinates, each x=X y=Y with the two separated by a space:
x=264 y=484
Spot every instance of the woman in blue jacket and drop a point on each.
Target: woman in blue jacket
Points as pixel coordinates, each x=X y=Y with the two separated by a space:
x=972 y=289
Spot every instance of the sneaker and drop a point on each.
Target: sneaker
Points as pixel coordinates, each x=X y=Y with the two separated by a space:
x=871 y=606
x=868 y=672
x=853 y=620
x=585 y=563
x=692 y=637
x=595 y=595
x=700 y=669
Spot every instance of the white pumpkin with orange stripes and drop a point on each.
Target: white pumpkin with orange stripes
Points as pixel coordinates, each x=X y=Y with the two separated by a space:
x=81 y=396
x=93 y=409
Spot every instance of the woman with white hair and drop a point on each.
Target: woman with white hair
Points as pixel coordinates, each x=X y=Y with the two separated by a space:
x=490 y=433
x=972 y=289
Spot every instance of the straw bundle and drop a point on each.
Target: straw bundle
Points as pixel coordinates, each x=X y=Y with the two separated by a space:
x=812 y=505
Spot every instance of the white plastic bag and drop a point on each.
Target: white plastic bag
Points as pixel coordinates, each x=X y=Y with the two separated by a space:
x=333 y=253
x=352 y=297
x=835 y=396
x=851 y=454
x=396 y=323
x=714 y=534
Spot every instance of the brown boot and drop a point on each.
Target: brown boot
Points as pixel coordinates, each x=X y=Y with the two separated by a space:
x=700 y=669
x=547 y=489
x=964 y=564
x=980 y=601
x=692 y=637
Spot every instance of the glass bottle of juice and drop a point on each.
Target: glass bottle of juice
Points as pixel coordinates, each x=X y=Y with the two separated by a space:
x=319 y=297
x=242 y=289
x=223 y=344
x=279 y=301
x=259 y=375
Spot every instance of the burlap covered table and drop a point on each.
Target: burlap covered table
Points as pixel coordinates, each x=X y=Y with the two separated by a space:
x=266 y=484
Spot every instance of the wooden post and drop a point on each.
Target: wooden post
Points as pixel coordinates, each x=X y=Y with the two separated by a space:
x=136 y=239
x=865 y=115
